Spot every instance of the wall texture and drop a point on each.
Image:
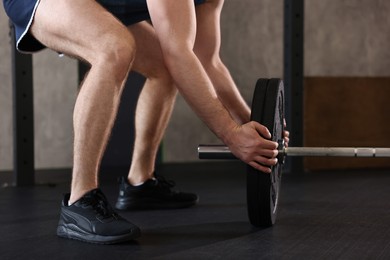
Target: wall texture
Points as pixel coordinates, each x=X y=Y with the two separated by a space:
x=5 y=96
x=348 y=38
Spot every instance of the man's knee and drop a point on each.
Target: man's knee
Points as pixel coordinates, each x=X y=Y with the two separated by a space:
x=116 y=56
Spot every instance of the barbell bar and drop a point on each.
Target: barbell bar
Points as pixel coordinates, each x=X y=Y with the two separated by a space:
x=223 y=152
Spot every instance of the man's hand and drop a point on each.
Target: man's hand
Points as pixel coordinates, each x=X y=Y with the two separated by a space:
x=286 y=134
x=249 y=143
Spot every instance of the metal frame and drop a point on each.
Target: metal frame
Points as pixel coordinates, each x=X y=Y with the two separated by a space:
x=293 y=73
x=23 y=116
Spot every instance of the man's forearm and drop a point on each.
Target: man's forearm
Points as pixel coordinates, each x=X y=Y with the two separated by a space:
x=195 y=86
x=228 y=92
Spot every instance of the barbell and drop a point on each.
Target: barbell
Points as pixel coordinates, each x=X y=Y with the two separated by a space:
x=263 y=188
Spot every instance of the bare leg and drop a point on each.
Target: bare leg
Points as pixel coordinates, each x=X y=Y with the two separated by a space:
x=85 y=30
x=207 y=48
x=152 y=115
x=154 y=105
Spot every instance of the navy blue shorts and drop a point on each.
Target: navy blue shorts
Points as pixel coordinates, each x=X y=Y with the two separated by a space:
x=130 y=11
x=21 y=13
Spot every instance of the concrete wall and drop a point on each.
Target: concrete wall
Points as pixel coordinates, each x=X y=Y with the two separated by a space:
x=5 y=96
x=348 y=37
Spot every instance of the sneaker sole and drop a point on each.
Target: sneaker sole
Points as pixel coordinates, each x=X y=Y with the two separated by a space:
x=73 y=232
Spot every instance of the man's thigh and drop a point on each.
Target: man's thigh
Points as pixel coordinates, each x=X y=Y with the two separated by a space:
x=208 y=35
x=77 y=28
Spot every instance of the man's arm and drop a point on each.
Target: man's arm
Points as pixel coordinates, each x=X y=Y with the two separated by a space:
x=175 y=25
x=207 y=49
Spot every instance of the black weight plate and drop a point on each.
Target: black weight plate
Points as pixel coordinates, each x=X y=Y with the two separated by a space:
x=263 y=188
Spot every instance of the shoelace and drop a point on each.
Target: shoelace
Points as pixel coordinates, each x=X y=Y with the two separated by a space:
x=164 y=183
x=100 y=205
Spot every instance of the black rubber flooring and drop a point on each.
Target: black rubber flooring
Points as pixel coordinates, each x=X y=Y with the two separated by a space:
x=327 y=215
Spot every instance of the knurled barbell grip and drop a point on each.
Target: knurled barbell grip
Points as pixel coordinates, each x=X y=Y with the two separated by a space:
x=223 y=152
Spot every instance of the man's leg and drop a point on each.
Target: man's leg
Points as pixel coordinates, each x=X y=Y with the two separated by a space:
x=83 y=29
x=153 y=112
x=154 y=105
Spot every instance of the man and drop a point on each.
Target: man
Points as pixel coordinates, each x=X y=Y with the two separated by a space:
x=170 y=52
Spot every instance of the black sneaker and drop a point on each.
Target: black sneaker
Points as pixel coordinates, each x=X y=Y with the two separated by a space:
x=153 y=194
x=92 y=219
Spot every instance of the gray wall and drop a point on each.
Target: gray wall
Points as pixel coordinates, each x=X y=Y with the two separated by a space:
x=347 y=38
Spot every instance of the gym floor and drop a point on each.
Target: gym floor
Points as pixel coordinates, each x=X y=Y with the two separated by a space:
x=322 y=215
